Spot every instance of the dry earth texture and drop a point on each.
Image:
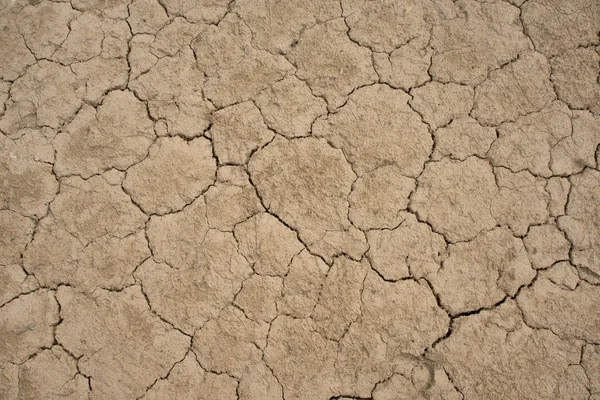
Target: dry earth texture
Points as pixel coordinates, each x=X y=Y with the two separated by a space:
x=299 y=199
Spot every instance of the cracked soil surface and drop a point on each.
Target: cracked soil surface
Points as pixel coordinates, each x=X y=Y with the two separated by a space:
x=299 y=199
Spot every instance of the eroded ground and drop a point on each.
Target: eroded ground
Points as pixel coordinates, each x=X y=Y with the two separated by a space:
x=264 y=200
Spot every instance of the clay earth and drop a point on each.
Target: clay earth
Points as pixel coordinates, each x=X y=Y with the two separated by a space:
x=299 y=199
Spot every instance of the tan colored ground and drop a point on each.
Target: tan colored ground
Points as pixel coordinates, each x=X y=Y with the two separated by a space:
x=294 y=199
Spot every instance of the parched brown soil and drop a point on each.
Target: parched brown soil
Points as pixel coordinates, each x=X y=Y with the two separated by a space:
x=299 y=200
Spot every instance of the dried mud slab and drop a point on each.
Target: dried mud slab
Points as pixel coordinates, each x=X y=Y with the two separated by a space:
x=160 y=185
x=466 y=58
x=472 y=197
x=231 y=200
x=384 y=26
x=14 y=281
x=208 y=11
x=463 y=192
x=117 y=135
x=52 y=374
x=410 y=249
x=558 y=25
x=16 y=57
x=559 y=301
x=331 y=64
x=480 y=273
x=188 y=380
x=463 y=137
x=237 y=132
x=439 y=104
x=406 y=66
x=580 y=222
x=268 y=244
x=292 y=200
x=118 y=341
x=277 y=26
x=575 y=76
x=27 y=326
x=26 y=172
x=302 y=285
x=235 y=70
x=201 y=279
x=379 y=343
x=493 y=353
x=422 y=382
x=289 y=107
x=173 y=89
x=45 y=96
x=230 y=343
x=519 y=88
x=378 y=198
x=93 y=237
x=15 y=236
x=375 y=128
x=305 y=182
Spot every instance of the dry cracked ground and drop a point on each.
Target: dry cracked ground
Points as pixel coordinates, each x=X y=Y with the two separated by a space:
x=266 y=200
